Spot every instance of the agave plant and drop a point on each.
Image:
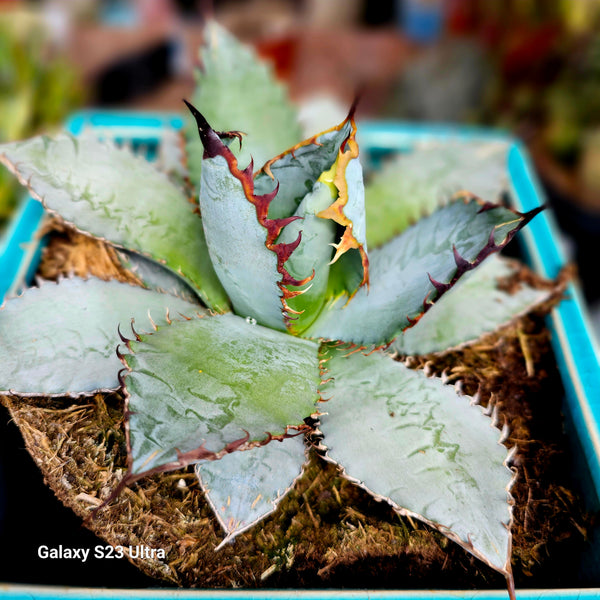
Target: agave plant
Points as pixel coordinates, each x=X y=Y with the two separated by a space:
x=261 y=310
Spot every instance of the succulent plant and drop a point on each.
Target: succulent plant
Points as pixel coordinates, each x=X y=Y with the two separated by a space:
x=263 y=311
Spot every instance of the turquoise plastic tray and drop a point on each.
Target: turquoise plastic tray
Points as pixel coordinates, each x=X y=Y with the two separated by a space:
x=576 y=352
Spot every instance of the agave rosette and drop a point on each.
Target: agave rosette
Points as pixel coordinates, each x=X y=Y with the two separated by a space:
x=277 y=313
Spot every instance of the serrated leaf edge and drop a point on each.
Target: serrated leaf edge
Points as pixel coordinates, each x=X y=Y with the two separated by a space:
x=506 y=325
x=335 y=211
x=468 y=546
x=213 y=146
x=462 y=265
x=12 y=167
x=185 y=459
x=68 y=394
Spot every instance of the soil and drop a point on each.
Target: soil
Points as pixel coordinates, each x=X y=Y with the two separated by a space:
x=327 y=532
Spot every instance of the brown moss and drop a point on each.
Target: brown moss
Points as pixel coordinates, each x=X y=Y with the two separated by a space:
x=327 y=532
x=72 y=253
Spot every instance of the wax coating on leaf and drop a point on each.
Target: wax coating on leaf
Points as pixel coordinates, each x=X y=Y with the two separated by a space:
x=416 y=268
x=236 y=243
x=60 y=339
x=235 y=90
x=416 y=443
x=413 y=184
x=313 y=255
x=245 y=487
x=298 y=168
x=473 y=307
x=197 y=387
x=111 y=194
x=155 y=277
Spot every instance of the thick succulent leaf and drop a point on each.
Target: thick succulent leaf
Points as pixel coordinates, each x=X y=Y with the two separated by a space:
x=236 y=239
x=111 y=194
x=60 y=339
x=416 y=268
x=473 y=307
x=331 y=158
x=155 y=276
x=312 y=255
x=244 y=487
x=241 y=237
x=417 y=444
x=202 y=388
x=236 y=90
x=346 y=275
x=296 y=170
x=350 y=269
x=415 y=183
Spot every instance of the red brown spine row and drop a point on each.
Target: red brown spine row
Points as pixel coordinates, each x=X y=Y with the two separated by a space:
x=213 y=146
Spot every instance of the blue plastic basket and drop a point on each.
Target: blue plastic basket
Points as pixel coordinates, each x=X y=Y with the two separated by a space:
x=576 y=352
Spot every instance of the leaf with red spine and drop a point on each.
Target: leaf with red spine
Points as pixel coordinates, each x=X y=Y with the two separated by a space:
x=417 y=268
x=259 y=283
x=241 y=237
x=413 y=184
x=330 y=157
x=473 y=307
x=313 y=255
x=298 y=168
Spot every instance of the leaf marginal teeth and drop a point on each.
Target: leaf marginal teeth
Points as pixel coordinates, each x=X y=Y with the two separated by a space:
x=462 y=263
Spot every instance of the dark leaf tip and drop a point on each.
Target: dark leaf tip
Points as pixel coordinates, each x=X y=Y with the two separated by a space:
x=213 y=146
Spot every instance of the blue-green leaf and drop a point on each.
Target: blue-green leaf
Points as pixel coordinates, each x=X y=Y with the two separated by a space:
x=245 y=487
x=111 y=194
x=62 y=339
x=473 y=307
x=416 y=183
x=236 y=90
x=312 y=255
x=437 y=456
x=156 y=277
x=331 y=158
x=296 y=170
x=238 y=243
x=202 y=388
x=416 y=268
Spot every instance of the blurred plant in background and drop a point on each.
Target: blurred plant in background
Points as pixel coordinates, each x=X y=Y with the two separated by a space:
x=573 y=100
x=547 y=72
x=545 y=87
x=38 y=88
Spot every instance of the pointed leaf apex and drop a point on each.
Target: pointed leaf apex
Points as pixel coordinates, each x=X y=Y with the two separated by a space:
x=353 y=107
x=211 y=139
x=529 y=215
x=486 y=206
x=213 y=146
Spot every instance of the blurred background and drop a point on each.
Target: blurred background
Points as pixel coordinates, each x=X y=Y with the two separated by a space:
x=529 y=66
